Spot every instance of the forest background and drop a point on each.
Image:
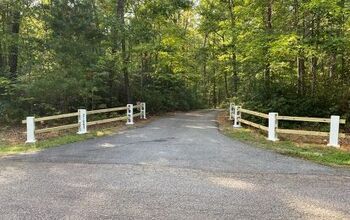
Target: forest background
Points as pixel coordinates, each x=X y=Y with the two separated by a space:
x=289 y=56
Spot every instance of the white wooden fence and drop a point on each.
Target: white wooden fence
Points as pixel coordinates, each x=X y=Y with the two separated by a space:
x=82 y=120
x=272 y=129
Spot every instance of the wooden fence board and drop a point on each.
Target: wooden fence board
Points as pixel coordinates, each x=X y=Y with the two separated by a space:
x=53 y=117
x=308 y=119
x=137 y=114
x=106 y=110
x=253 y=124
x=259 y=114
x=303 y=132
x=107 y=120
x=58 y=128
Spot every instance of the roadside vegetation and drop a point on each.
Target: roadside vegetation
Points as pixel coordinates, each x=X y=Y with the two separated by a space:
x=8 y=148
x=314 y=152
x=16 y=145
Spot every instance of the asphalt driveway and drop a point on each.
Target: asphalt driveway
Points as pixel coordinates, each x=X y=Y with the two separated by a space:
x=178 y=167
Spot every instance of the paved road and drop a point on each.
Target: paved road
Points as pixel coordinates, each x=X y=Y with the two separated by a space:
x=179 y=167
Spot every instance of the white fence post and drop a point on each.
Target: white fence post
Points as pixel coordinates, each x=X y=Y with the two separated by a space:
x=130 y=114
x=82 y=121
x=334 y=131
x=143 y=110
x=273 y=125
x=237 y=116
x=30 y=130
x=232 y=110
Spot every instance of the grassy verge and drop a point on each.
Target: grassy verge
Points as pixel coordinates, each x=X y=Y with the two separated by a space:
x=6 y=149
x=317 y=153
x=67 y=137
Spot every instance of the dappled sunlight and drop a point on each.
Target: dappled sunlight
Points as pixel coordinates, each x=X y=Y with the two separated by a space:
x=188 y=120
x=155 y=128
x=158 y=161
x=194 y=114
x=314 y=209
x=136 y=136
x=107 y=145
x=233 y=183
x=200 y=127
x=30 y=152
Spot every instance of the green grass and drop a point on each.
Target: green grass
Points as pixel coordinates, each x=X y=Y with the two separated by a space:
x=320 y=154
x=6 y=149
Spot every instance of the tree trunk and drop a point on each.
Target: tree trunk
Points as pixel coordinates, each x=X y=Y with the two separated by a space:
x=226 y=85
x=343 y=68
x=332 y=65
x=235 y=79
x=314 y=61
x=300 y=58
x=2 y=64
x=121 y=19
x=301 y=75
x=268 y=26
x=13 y=56
x=214 y=90
x=205 y=79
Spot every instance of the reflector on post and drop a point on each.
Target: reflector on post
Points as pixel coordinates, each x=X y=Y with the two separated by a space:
x=237 y=116
x=130 y=114
x=232 y=110
x=143 y=110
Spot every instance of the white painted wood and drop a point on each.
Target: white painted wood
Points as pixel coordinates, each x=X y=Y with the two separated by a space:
x=232 y=110
x=143 y=110
x=334 y=131
x=30 y=121
x=237 y=117
x=273 y=126
x=82 y=121
x=130 y=114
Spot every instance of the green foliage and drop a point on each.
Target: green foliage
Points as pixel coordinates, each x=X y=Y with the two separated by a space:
x=71 y=56
x=287 y=56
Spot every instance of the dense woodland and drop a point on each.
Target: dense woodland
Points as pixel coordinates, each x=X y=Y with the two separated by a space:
x=290 y=56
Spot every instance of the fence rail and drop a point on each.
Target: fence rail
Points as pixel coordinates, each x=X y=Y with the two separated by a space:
x=53 y=117
x=262 y=127
x=273 y=129
x=302 y=132
x=106 y=110
x=58 y=128
x=308 y=119
x=258 y=114
x=82 y=120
